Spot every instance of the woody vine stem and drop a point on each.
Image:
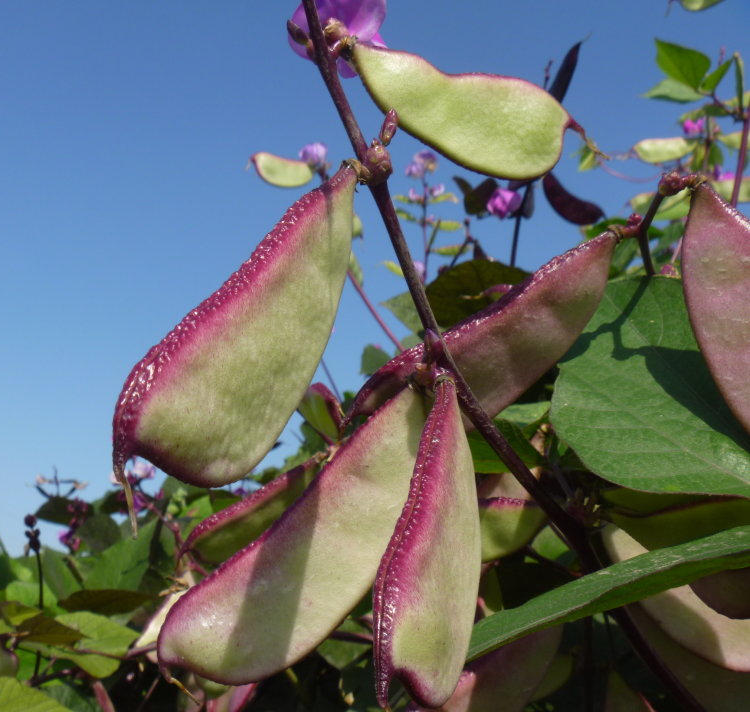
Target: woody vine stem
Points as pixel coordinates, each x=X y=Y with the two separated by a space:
x=570 y=529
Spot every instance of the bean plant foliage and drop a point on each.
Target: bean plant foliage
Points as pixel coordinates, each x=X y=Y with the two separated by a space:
x=539 y=499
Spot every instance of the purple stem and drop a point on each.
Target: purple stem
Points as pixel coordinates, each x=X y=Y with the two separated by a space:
x=642 y=234
x=571 y=530
x=329 y=376
x=374 y=312
x=741 y=159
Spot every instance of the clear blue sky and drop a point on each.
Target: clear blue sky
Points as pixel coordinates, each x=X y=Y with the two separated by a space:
x=124 y=131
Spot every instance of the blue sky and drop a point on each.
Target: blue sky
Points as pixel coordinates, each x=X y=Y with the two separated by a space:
x=124 y=133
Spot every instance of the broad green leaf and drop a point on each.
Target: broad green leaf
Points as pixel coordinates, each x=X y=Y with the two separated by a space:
x=615 y=586
x=106 y=602
x=712 y=80
x=57 y=573
x=672 y=207
x=725 y=187
x=373 y=357
x=17 y=697
x=731 y=140
x=458 y=292
x=671 y=90
x=27 y=592
x=281 y=172
x=402 y=307
x=696 y=5
x=661 y=150
x=500 y=126
x=586 y=158
x=682 y=64
x=101 y=636
x=636 y=402
x=486 y=460
x=123 y=564
x=49 y=631
x=99 y=532
x=15 y=612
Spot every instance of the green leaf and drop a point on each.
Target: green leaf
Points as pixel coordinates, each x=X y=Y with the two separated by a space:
x=731 y=140
x=451 y=250
x=402 y=307
x=671 y=90
x=485 y=459
x=682 y=64
x=101 y=636
x=17 y=697
x=443 y=197
x=355 y=269
x=57 y=574
x=672 y=207
x=56 y=510
x=15 y=612
x=107 y=602
x=499 y=126
x=49 y=631
x=636 y=402
x=739 y=80
x=615 y=586
x=373 y=357
x=712 y=80
x=725 y=187
x=405 y=215
x=281 y=172
x=99 y=532
x=123 y=565
x=393 y=267
x=449 y=225
x=457 y=292
x=586 y=158
x=661 y=150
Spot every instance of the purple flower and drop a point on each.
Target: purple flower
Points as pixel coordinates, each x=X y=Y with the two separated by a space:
x=723 y=175
x=693 y=128
x=423 y=162
x=421 y=270
x=314 y=154
x=143 y=470
x=415 y=197
x=504 y=202
x=437 y=189
x=362 y=18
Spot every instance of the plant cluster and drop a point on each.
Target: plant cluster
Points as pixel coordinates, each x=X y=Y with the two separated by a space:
x=540 y=501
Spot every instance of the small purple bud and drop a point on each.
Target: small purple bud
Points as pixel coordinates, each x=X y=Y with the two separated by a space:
x=421 y=270
x=437 y=189
x=722 y=175
x=314 y=154
x=423 y=162
x=297 y=34
x=504 y=202
x=30 y=521
x=378 y=163
x=415 y=197
x=693 y=128
x=388 y=129
x=669 y=270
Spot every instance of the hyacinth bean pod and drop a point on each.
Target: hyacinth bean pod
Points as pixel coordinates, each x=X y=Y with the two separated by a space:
x=224 y=533
x=511 y=673
x=716 y=280
x=208 y=402
x=277 y=599
x=425 y=592
x=281 y=172
x=506 y=347
x=501 y=126
x=685 y=618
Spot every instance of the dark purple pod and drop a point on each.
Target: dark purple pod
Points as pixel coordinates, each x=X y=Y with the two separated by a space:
x=224 y=533
x=567 y=205
x=425 y=591
x=506 y=347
